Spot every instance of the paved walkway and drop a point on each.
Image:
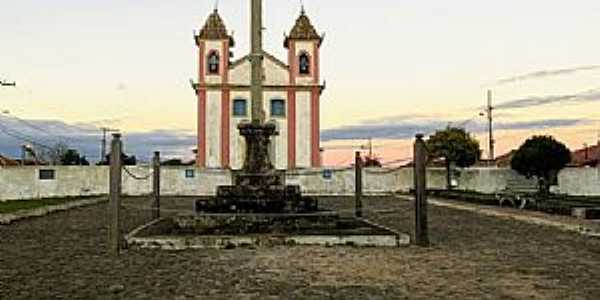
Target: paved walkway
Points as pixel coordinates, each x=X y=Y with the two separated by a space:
x=566 y=223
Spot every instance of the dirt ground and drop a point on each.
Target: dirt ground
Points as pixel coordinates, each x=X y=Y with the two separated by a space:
x=63 y=256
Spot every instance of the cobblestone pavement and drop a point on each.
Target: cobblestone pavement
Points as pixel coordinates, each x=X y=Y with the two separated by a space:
x=63 y=256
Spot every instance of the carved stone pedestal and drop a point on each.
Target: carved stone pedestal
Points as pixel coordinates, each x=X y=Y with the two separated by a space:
x=258 y=187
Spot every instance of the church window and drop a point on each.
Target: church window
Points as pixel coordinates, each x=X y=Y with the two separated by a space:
x=304 y=63
x=240 y=108
x=278 y=108
x=213 y=62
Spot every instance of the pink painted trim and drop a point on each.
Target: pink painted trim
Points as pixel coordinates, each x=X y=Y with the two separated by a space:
x=316 y=63
x=201 y=156
x=225 y=127
x=291 y=112
x=292 y=62
x=201 y=77
x=315 y=129
x=225 y=61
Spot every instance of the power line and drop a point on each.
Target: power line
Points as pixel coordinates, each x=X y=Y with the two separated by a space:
x=59 y=137
x=22 y=137
x=5 y=83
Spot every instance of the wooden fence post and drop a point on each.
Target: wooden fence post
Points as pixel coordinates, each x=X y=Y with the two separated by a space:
x=358 y=185
x=420 y=176
x=115 y=195
x=156 y=184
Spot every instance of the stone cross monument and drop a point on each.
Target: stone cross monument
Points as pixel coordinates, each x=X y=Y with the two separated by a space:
x=257 y=133
x=258 y=187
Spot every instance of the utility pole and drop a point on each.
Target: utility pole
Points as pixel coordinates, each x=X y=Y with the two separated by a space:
x=370 y=147
x=490 y=117
x=105 y=130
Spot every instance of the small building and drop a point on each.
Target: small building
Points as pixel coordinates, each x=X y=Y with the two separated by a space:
x=589 y=156
x=292 y=95
x=7 y=162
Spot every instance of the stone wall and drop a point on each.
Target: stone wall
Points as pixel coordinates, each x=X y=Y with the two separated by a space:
x=24 y=182
x=579 y=181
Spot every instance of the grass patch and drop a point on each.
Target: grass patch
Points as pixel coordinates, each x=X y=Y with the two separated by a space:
x=16 y=205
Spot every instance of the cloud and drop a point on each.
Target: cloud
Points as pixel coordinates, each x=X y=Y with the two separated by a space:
x=86 y=138
x=587 y=96
x=405 y=130
x=399 y=118
x=177 y=143
x=547 y=73
x=400 y=130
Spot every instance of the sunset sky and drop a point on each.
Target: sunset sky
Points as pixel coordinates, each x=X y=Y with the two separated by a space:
x=393 y=68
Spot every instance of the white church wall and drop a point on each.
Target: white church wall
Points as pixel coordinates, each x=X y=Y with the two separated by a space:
x=275 y=74
x=240 y=74
x=236 y=141
x=279 y=142
x=303 y=129
x=213 y=129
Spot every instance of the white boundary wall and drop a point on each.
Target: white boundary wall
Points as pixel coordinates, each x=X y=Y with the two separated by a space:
x=73 y=181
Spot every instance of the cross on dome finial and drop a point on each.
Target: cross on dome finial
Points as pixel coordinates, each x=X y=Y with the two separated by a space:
x=214 y=29
x=303 y=30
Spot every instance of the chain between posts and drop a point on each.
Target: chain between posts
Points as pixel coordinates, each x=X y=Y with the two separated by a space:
x=136 y=177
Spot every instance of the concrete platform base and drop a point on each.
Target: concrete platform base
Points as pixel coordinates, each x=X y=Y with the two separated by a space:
x=250 y=230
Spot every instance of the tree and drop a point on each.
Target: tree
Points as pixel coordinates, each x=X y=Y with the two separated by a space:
x=71 y=157
x=454 y=145
x=372 y=162
x=126 y=160
x=541 y=157
x=54 y=154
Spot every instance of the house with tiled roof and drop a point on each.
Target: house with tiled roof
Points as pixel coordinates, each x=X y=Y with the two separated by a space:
x=7 y=162
x=589 y=156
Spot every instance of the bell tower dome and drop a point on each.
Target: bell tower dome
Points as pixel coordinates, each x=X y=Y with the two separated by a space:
x=303 y=44
x=214 y=43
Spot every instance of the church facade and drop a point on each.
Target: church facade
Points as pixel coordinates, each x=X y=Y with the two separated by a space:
x=291 y=100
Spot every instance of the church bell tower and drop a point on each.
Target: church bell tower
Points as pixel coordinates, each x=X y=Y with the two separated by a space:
x=214 y=44
x=303 y=44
